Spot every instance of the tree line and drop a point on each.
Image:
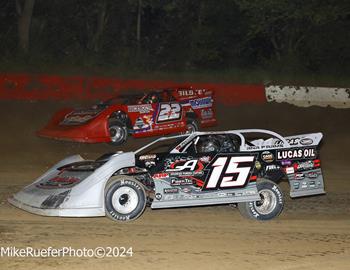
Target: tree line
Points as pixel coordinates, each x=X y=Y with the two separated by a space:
x=179 y=34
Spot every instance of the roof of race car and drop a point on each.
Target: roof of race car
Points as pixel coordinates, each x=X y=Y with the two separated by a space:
x=239 y=133
x=134 y=96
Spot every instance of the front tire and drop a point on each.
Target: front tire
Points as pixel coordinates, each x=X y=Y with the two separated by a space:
x=270 y=205
x=125 y=198
x=117 y=132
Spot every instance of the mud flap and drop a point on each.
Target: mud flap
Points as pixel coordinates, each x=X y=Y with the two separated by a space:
x=306 y=183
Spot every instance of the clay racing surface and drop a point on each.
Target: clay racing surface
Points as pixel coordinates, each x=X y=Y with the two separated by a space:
x=311 y=233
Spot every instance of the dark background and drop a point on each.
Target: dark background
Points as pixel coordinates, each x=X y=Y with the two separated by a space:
x=270 y=39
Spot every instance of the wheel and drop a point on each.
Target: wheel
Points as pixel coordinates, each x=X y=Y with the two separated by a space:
x=270 y=205
x=191 y=126
x=125 y=198
x=118 y=132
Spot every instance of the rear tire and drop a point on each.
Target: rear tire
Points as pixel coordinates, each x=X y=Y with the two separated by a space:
x=118 y=132
x=125 y=199
x=191 y=126
x=270 y=205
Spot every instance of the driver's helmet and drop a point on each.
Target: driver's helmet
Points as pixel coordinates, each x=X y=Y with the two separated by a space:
x=208 y=145
x=153 y=99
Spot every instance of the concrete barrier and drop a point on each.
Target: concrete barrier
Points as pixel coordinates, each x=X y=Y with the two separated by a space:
x=304 y=96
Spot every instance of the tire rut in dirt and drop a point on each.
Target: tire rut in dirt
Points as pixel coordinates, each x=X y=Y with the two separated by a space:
x=331 y=203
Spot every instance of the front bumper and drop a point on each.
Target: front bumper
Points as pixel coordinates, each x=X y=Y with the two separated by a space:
x=59 y=212
x=76 y=134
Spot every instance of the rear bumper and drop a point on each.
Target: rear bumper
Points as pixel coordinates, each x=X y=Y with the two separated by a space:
x=208 y=123
x=57 y=212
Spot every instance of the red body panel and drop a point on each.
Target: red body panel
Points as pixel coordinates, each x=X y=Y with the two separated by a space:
x=169 y=115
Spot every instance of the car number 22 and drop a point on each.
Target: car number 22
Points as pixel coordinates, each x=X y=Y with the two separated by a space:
x=169 y=112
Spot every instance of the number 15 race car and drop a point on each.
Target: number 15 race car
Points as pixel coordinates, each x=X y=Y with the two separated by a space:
x=203 y=168
x=155 y=113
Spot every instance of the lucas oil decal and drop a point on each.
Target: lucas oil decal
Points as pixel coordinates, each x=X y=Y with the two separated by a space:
x=306 y=153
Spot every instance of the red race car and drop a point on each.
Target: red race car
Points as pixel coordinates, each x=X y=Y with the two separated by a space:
x=150 y=114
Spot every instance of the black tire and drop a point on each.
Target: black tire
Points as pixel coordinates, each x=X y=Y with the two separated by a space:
x=118 y=132
x=270 y=206
x=125 y=198
x=191 y=126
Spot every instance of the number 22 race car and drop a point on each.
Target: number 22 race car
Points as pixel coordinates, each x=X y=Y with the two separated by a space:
x=240 y=167
x=154 y=113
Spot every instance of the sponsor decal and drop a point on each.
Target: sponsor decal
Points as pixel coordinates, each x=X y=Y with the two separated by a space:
x=205 y=159
x=201 y=103
x=296 y=154
x=272 y=168
x=261 y=147
x=144 y=108
x=286 y=162
x=185 y=93
x=59 y=182
x=296 y=140
x=293 y=141
x=299 y=176
x=181 y=182
x=186 y=190
x=257 y=165
x=306 y=141
x=80 y=116
x=312 y=184
x=304 y=184
x=77 y=119
x=290 y=170
x=312 y=175
x=149 y=163
x=296 y=185
x=207 y=113
x=306 y=165
x=186 y=173
x=192 y=165
x=147 y=157
x=160 y=175
x=140 y=124
x=267 y=156
x=169 y=197
x=170 y=190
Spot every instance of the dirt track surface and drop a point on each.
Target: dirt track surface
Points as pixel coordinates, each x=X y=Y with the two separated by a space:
x=311 y=233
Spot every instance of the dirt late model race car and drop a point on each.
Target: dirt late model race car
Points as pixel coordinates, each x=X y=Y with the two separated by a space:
x=154 y=113
x=241 y=167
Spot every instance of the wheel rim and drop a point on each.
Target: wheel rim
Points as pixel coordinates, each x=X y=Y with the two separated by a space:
x=267 y=203
x=125 y=200
x=190 y=128
x=116 y=133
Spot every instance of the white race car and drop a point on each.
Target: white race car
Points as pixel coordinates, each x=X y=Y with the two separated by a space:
x=240 y=167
